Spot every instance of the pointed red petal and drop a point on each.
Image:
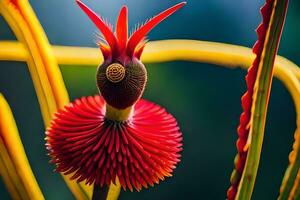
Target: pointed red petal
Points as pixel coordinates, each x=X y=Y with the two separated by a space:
x=122 y=28
x=139 y=49
x=138 y=35
x=105 y=50
x=138 y=52
x=105 y=30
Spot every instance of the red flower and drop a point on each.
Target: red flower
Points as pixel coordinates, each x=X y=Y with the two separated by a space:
x=91 y=137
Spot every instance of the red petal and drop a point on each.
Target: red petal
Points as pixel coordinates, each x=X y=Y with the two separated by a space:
x=105 y=30
x=141 y=33
x=122 y=28
x=139 y=152
x=139 y=49
x=105 y=50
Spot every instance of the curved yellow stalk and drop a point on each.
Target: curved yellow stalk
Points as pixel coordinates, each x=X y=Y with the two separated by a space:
x=155 y=51
x=28 y=30
x=49 y=61
x=221 y=54
x=38 y=74
x=44 y=70
x=291 y=180
x=294 y=194
x=14 y=165
x=7 y=178
x=169 y=50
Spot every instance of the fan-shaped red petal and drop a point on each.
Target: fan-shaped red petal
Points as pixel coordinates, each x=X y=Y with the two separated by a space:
x=139 y=152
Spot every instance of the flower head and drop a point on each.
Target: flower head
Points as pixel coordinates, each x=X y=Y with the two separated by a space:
x=121 y=78
x=94 y=140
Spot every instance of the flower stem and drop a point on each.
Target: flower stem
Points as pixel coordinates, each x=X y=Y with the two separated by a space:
x=100 y=193
x=118 y=114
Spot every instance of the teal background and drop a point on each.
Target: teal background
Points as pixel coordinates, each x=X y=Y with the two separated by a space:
x=204 y=98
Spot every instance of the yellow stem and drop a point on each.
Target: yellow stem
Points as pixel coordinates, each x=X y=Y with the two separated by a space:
x=155 y=51
x=49 y=61
x=34 y=61
x=43 y=68
x=10 y=176
x=117 y=114
x=14 y=165
x=7 y=179
x=295 y=193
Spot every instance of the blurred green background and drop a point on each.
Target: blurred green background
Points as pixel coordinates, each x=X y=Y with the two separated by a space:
x=204 y=98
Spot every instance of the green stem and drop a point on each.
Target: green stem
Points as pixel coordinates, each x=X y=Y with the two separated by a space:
x=297 y=193
x=260 y=104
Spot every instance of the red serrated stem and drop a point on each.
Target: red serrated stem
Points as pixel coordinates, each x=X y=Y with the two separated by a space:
x=246 y=101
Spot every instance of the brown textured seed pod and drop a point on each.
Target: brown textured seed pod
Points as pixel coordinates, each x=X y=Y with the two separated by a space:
x=121 y=90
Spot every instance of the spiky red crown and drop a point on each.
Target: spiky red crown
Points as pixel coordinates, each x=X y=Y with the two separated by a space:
x=118 y=44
